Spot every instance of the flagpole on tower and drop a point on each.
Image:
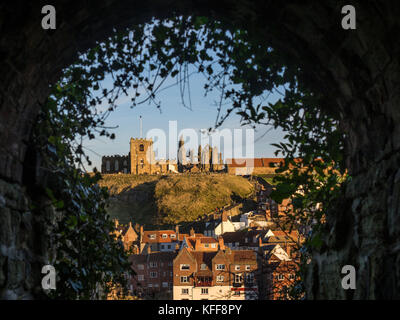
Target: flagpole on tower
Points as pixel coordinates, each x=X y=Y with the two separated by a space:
x=140 y=126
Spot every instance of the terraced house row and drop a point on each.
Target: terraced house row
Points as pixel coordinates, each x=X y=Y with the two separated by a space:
x=199 y=267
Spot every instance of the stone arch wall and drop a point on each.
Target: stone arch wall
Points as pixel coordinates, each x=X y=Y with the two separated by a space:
x=357 y=71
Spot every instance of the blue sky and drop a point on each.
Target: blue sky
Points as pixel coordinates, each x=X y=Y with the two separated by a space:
x=202 y=115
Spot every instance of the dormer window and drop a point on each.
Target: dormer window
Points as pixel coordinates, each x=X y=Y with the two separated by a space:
x=164 y=236
x=152 y=236
x=203 y=266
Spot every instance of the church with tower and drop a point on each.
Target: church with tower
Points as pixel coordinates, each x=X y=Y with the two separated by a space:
x=141 y=160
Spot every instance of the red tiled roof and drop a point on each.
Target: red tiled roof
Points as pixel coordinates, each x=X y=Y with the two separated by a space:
x=158 y=236
x=208 y=240
x=290 y=236
x=253 y=162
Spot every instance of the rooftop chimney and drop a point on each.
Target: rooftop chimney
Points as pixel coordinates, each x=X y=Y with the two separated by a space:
x=221 y=243
x=224 y=216
x=192 y=234
x=141 y=234
x=197 y=245
x=177 y=230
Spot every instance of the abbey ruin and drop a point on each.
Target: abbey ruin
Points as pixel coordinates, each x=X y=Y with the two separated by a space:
x=141 y=160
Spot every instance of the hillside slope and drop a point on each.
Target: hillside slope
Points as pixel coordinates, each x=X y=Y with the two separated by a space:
x=152 y=199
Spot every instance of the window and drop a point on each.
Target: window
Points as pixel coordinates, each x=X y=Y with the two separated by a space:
x=237 y=244
x=156 y=285
x=250 y=278
x=184 y=279
x=140 y=267
x=206 y=245
x=213 y=245
x=169 y=246
x=162 y=246
x=165 y=284
x=247 y=268
x=237 y=268
x=108 y=165
x=220 y=278
x=185 y=267
x=141 y=147
x=140 y=277
x=153 y=274
x=152 y=236
x=173 y=236
x=150 y=285
x=116 y=165
x=238 y=278
x=281 y=276
x=153 y=264
x=203 y=266
x=185 y=291
x=236 y=293
x=204 y=290
x=164 y=236
x=220 y=267
x=291 y=276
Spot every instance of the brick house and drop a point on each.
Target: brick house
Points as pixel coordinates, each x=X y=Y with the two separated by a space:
x=223 y=274
x=277 y=272
x=198 y=242
x=160 y=240
x=129 y=236
x=153 y=274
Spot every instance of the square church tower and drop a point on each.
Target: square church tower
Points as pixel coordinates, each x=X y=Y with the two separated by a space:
x=142 y=156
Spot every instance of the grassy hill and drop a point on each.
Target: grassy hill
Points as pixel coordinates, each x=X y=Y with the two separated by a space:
x=153 y=199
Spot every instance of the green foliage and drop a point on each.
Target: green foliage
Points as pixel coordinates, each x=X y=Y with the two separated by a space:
x=89 y=260
x=241 y=65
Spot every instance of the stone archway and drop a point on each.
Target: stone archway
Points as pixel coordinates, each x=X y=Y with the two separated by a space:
x=358 y=72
